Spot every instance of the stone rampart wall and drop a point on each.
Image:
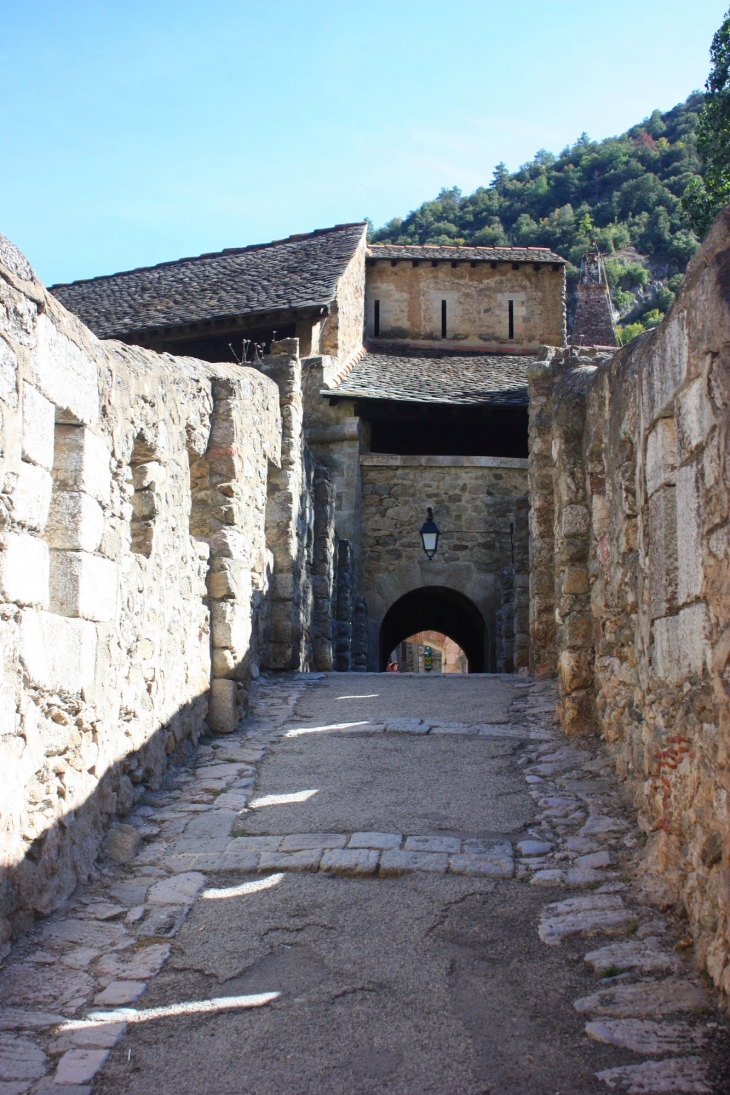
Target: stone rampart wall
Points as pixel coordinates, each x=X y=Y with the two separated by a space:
x=631 y=468
x=142 y=564
x=476 y=494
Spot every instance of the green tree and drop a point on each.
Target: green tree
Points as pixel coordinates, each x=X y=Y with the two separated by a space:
x=703 y=198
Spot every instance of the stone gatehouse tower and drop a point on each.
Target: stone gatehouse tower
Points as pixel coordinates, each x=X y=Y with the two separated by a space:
x=415 y=393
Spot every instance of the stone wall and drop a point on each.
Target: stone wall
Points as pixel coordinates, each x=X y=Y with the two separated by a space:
x=512 y=620
x=342 y=330
x=630 y=455
x=477 y=303
x=471 y=494
x=140 y=550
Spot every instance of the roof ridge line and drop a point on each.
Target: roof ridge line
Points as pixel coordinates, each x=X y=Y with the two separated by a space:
x=296 y=238
x=349 y=365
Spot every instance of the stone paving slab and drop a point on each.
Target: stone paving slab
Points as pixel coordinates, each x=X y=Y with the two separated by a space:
x=447 y=844
x=648 y=1037
x=680 y=1076
x=643 y=955
x=395 y=863
x=482 y=866
x=294 y=861
x=645 y=999
x=382 y=841
x=108 y=947
x=350 y=861
x=305 y=842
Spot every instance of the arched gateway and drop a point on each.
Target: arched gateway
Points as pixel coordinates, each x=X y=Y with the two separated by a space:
x=436 y=608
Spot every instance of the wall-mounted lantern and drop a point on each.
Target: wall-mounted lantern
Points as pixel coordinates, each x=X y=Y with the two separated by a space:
x=430 y=533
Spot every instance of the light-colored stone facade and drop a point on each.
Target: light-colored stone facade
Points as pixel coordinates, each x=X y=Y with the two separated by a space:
x=474 y=498
x=630 y=554
x=341 y=332
x=477 y=296
x=164 y=531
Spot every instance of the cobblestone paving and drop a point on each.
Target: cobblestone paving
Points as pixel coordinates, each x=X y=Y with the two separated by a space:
x=411 y=885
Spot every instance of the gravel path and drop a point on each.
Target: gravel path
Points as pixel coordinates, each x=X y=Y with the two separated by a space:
x=390 y=884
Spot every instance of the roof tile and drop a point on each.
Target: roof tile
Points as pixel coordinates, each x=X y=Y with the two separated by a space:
x=433 y=252
x=298 y=272
x=422 y=376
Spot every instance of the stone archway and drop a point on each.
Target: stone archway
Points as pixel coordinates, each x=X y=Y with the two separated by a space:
x=436 y=608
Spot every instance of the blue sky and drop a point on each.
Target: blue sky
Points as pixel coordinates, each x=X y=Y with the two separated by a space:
x=133 y=132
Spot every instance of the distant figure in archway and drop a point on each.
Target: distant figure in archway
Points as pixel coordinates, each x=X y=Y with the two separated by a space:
x=436 y=608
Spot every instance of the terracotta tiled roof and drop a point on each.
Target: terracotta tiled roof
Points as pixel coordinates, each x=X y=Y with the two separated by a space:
x=422 y=376
x=435 y=252
x=298 y=272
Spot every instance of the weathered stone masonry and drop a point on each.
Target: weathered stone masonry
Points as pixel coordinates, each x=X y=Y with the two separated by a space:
x=475 y=498
x=161 y=537
x=630 y=579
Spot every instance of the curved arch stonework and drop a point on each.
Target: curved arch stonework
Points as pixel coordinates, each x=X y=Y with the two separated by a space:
x=444 y=609
x=474 y=501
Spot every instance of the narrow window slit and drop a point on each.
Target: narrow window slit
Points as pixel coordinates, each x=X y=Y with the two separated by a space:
x=376 y=319
x=443 y=319
x=511 y=307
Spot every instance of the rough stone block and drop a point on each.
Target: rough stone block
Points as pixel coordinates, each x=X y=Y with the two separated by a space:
x=58 y=653
x=694 y=629
x=31 y=496
x=83 y=585
x=231 y=580
x=182 y=889
x=382 y=841
x=695 y=418
x=231 y=626
x=307 y=842
x=39 y=424
x=483 y=866
x=293 y=861
x=689 y=535
x=75 y=522
x=661 y=455
x=24 y=569
x=662 y=552
x=578 y=631
x=65 y=374
x=397 y=862
x=350 y=861
x=575 y=580
x=575 y=521
x=450 y=844
x=79 y=1066
x=578 y=713
x=120 y=992
x=82 y=463
x=666 y=370
x=223 y=709
x=575 y=669
x=8 y=375
x=122 y=843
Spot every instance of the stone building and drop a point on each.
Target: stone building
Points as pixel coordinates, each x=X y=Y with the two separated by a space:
x=170 y=524
x=416 y=362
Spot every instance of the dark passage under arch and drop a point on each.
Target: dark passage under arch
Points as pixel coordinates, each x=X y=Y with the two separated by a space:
x=436 y=608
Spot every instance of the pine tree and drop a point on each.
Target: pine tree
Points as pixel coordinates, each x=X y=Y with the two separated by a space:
x=703 y=198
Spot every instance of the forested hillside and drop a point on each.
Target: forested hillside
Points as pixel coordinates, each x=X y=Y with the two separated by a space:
x=623 y=192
